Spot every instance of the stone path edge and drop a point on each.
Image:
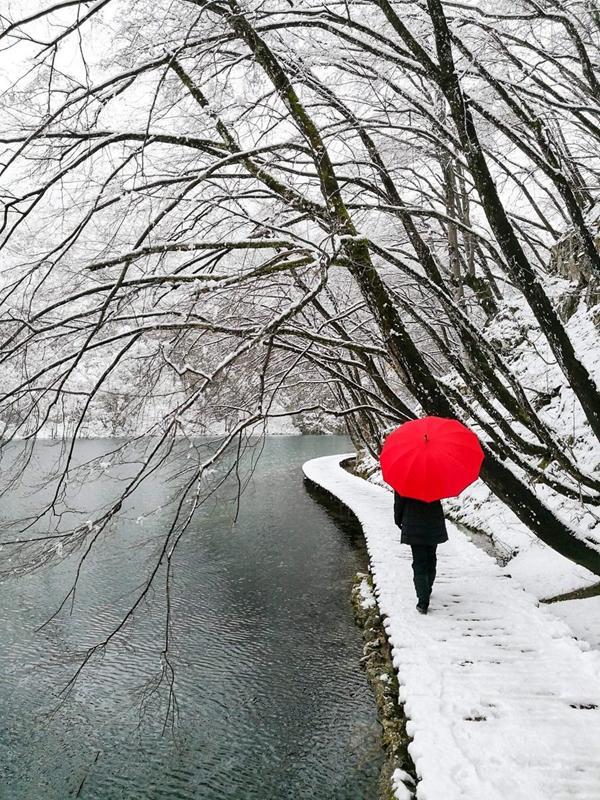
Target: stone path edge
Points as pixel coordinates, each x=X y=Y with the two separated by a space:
x=398 y=775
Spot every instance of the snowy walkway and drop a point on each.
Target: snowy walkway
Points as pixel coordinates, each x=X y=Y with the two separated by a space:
x=502 y=702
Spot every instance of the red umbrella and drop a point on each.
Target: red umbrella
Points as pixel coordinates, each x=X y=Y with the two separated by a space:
x=431 y=458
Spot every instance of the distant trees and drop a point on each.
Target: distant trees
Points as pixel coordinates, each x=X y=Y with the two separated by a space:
x=351 y=208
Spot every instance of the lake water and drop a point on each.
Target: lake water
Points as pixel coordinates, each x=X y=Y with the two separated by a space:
x=272 y=701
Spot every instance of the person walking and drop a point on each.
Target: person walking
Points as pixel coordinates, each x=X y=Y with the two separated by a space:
x=423 y=527
x=425 y=460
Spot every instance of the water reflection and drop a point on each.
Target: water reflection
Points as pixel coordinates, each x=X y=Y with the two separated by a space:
x=272 y=701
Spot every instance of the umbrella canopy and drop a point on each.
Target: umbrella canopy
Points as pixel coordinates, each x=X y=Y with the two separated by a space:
x=431 y=458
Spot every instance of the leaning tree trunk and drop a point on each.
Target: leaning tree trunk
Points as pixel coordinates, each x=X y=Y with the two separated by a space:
x=423 y=384
x=406 y=356
x=522 y=273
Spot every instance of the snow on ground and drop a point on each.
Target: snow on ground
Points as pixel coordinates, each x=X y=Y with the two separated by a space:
x=583 y=617
x=538 y=568
x=503 y=703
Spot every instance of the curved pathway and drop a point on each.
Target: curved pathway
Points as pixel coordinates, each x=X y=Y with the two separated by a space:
x=502 y=702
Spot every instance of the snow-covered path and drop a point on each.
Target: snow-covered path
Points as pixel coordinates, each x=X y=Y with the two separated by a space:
x=503 y=703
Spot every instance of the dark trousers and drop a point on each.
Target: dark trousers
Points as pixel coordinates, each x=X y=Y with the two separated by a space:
x=424 y=563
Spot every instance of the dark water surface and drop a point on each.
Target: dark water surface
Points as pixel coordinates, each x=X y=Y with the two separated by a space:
x=272 y=701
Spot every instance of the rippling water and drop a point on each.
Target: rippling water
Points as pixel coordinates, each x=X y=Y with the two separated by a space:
x=272 y=702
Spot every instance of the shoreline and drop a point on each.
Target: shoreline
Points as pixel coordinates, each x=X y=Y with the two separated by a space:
x=398 y=772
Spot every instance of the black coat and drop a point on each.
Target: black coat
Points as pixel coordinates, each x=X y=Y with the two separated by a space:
x=420 y=522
